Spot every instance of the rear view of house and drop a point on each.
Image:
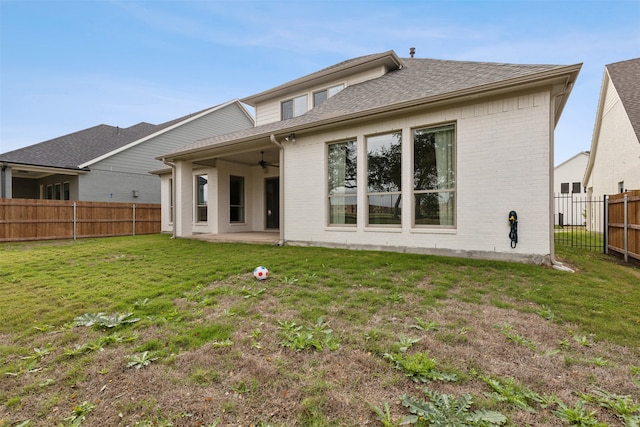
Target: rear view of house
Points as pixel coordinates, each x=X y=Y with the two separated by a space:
x=382 y=152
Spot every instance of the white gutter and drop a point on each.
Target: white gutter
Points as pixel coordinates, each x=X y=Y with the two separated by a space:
x=558 y=96
x=273 y=139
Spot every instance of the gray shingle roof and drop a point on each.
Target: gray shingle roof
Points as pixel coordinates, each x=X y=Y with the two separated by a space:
x=70 y=151
x=417 y=80
x=625 y=77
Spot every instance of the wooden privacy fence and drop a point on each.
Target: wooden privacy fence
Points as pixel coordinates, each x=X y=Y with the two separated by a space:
x=30 y=219
x=623 y=224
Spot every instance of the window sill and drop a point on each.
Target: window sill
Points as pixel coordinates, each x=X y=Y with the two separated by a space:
x=379 y=229
x=434 y=231
x=349 y=228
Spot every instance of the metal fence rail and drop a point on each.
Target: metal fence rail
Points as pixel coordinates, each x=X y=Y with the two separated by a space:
x=580 y=221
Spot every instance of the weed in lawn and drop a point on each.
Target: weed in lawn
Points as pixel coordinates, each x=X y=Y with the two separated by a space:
x=419 y=367
x=316 y=337
x=423 y=325
x=140 y=360
x=623 y=407
x=103 y=320
x=508 y=391
x=80 y=414
x=447 y=410
x=577 y=415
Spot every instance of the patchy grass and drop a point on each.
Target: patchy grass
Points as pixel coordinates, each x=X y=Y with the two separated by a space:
x=332 y=338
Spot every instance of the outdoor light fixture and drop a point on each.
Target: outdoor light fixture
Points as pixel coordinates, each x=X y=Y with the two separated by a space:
x=135 y=193
x=291 y=138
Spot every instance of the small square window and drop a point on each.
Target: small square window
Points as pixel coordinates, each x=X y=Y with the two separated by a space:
x=576 y=188
x=564 y=188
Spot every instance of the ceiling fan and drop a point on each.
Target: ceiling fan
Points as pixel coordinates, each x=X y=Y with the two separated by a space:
x=263 y=164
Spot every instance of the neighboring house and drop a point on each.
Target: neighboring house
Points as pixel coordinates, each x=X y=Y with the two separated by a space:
x=614 y=164
x=107 y=163
x=567 y=186
x=387 y=153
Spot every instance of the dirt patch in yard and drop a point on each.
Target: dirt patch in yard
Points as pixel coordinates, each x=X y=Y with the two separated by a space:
x=253 y=379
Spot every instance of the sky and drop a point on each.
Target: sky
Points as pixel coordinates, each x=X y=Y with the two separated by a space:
x=67 y=65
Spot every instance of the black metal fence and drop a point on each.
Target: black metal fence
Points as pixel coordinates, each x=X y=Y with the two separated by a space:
x=580 y=221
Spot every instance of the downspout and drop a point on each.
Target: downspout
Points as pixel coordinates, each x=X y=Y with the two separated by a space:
x=173 y=194
x=555 y=264
x=281 y=190
x=3 y=179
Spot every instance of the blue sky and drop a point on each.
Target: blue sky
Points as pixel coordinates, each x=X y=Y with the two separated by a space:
x=69 y=65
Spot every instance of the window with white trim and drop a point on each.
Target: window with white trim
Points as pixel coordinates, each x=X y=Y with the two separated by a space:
x=342 y=183
x=202 y=186
x=294 y=107
x=321 y=96
x=434 y=176
x=236 y=199
x=384 y=173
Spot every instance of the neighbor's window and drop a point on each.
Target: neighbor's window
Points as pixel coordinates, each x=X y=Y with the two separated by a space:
x=202 y=185
x=294 y=107
x=66 y=191
x=434 y=176
x=236 y=199
x=564 y=188
x=50 y=192
x=57 y=191
x=384 y=172
x=576 y=188
x=323 y=95
x=342 y=189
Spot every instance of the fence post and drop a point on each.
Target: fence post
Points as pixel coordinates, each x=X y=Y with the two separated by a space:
x=606 y=225
x=75 y=220
x=134 y=219
x=626 y=229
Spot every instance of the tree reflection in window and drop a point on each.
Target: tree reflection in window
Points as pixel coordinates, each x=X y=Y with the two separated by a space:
x=342 y=176
x=434 y=174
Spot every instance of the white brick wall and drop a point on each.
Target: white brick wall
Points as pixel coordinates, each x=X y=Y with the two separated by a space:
x=503 y=162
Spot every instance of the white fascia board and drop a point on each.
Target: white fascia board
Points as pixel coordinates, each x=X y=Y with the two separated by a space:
x=596 y=128
x=160 y=132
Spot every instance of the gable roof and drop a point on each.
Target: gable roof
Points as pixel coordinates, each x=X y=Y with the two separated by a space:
x=80 y=149
x=413 y=83
x=625 y=77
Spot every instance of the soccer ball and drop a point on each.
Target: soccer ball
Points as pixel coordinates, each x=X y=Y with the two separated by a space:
x=261 y=273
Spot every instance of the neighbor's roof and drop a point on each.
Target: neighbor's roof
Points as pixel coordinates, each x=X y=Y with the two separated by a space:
x=625 y=77
x=415 y=82
x=76 y=149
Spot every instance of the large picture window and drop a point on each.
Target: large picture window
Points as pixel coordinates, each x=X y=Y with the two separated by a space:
x=434 y=176
x=236 y=199
x=202 y=185
x=342 y=174
x=384 y=172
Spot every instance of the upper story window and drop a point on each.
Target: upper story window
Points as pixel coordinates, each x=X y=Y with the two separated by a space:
x=576 y=187
x=564 y=188
x=294 y=107
x=323 y=95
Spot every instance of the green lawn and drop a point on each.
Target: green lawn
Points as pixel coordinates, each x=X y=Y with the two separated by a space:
x=329 y=337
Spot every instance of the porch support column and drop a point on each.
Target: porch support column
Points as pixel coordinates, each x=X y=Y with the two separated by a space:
x=5 y=181
x=183 y=218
